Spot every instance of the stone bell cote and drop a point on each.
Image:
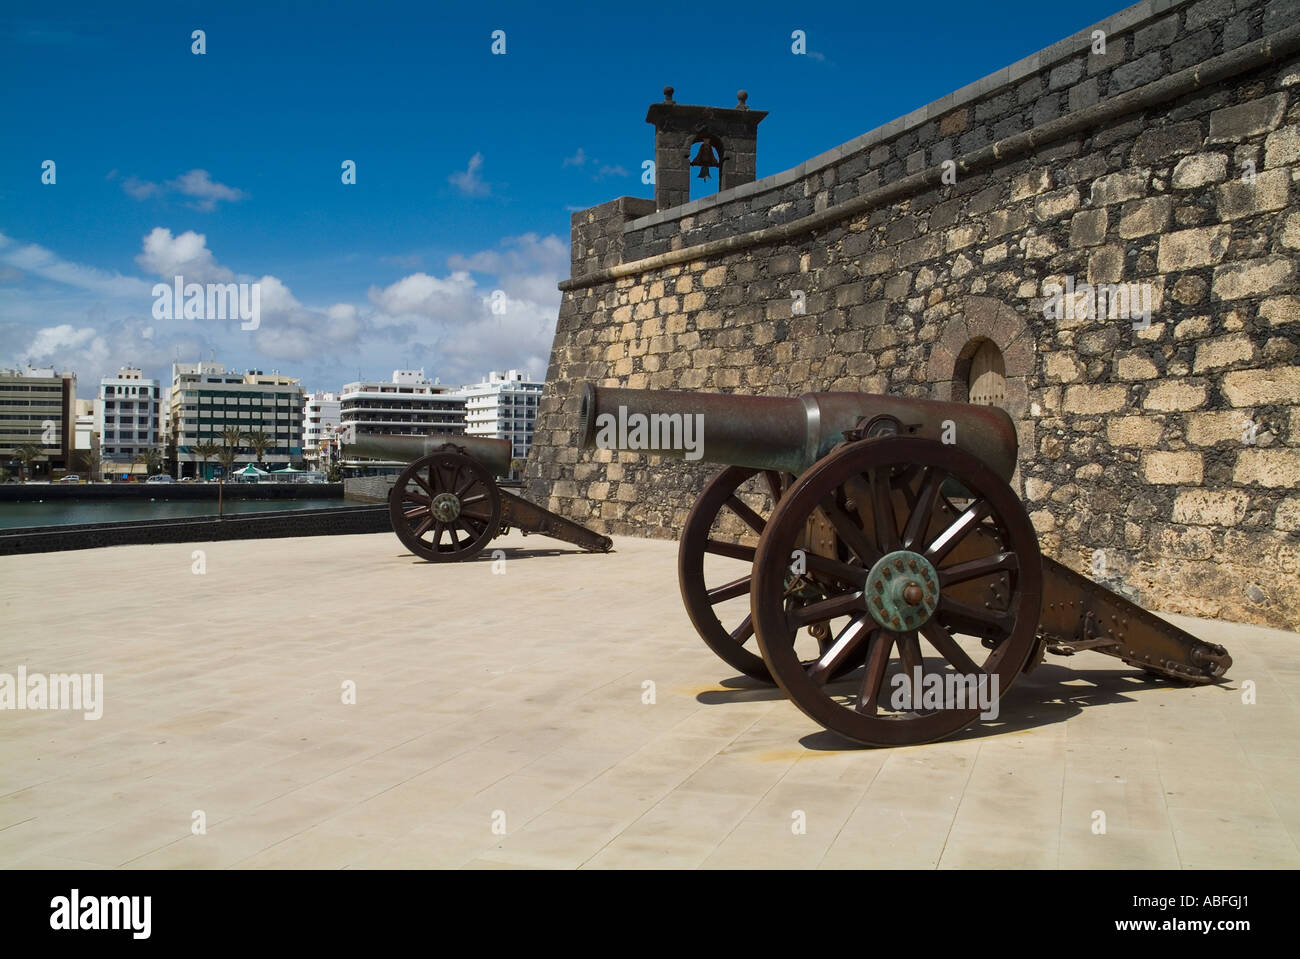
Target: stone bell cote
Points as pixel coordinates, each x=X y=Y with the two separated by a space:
x=715 y=141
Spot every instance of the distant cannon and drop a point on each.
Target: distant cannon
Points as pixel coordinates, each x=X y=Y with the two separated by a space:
x=857 y=526
x=446 y=505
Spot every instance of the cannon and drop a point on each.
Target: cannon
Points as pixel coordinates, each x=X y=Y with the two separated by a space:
x=874 y=551
x=446 y=505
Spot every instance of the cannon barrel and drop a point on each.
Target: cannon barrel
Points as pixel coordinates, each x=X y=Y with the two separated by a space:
x=789 y=434
x=494 y=454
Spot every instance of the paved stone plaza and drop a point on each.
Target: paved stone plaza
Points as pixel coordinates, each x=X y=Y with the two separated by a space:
x=515 y=701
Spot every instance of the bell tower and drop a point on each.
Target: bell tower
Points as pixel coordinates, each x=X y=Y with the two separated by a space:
x=714 y=141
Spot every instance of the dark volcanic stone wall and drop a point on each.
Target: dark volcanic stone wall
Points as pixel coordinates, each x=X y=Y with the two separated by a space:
x=1169 y=161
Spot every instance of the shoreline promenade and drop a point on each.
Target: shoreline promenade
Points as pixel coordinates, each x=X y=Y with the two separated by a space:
x=500 y=719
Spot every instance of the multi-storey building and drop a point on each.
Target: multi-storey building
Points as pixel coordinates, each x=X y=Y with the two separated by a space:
x=165 y=414
x=38 y=408
x=320 y=421
x=504 y=406
x=127 y=420
x=206 y=401
x=87 y=438
x=410 y=405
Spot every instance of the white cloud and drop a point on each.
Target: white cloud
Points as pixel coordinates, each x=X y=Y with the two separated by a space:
x=287 y=342
x=518 y=339
x=443 y=322
x=527 y=252
x=423 y=295
x=198 y=184
x=54 y=339
x=94 y=351
x=343 y=321
x=140 y=189
x=602 y=170
x=452 y=329
x=470 y=182
x=187 y=255
x=276 y=298
x=41 y=262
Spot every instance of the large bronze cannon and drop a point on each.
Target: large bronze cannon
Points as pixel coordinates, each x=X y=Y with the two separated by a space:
x=848 y=528
x=446 y=506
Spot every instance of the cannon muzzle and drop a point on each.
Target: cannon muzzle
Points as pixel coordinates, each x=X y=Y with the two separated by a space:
x=494 y=454
x=788 y=434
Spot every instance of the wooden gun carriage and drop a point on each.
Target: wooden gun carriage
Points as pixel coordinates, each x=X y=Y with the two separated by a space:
x=446 y=505
x=883 y=553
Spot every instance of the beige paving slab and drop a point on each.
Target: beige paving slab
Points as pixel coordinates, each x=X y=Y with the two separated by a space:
x=1120 y=849
x=556 y=839
x=528 y=698
x=884 y=835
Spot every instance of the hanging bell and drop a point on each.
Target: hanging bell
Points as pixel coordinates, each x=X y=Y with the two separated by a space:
x=705 y=157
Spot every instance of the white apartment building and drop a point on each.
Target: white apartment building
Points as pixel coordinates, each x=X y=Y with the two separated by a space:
x=320 y=421
x=410 y=405
x=504 y=406
x=206 y=400
x=87 y=436
x=127 y=419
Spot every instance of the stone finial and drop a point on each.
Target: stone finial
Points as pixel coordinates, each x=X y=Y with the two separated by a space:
x=741 y=97
x=668 y=95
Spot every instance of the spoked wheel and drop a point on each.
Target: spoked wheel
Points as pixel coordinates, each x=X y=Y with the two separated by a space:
x=715 y=571
x=939 y=551
x=445 y=507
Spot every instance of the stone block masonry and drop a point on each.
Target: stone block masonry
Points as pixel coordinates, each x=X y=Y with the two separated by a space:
x=1168 y=164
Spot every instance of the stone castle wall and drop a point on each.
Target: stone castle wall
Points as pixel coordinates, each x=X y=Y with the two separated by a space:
x=1170 y=161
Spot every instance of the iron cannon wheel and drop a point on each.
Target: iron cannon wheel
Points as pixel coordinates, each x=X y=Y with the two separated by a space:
x=726 y=627
x=922 y=561
x=445 y=507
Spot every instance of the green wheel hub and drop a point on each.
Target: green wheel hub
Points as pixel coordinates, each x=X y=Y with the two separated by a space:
x=902 y=590
x=445 y=507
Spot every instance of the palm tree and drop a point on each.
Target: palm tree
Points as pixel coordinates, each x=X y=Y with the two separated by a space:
x=93 y=463
x=260 y=441
x=151 y=460
x=171 y=460
x=204 y=450
x=231 y=439
x=28 y=453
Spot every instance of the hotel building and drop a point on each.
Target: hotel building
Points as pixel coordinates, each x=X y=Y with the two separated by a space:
x=206 y=400
x=409 y=405
x=503 y=406
x=38 y=408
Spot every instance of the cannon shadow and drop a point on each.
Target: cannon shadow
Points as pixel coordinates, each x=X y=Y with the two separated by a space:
x=512 y=552
x=1051 y=694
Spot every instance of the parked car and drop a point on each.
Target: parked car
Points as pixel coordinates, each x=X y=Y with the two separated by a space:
x=160 y=478
x=70 y=478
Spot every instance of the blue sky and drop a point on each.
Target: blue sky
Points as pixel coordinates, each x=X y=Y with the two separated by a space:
x=227 y=166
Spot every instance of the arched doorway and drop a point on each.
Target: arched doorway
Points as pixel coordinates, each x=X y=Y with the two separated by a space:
x=1004 y=368
x=980 y=374
x=986 y=380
